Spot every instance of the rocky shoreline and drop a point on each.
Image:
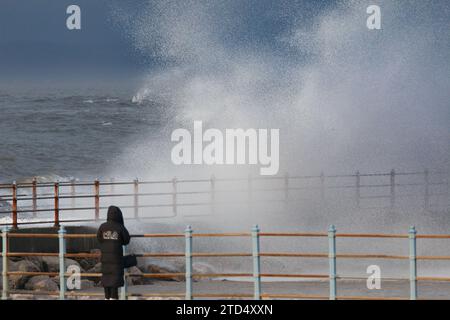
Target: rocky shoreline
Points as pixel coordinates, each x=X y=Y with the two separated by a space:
x=50 y=264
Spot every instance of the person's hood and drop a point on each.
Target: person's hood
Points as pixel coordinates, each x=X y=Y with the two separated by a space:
x=115 y=214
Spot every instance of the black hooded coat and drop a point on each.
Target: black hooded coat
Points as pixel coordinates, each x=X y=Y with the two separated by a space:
x=112 y=235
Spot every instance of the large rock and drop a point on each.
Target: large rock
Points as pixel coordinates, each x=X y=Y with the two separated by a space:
x=38 y=261
x=41 y=283
x=51 y=264
x=89 y=263
x=18 y=281
x=97 y=268
x=137 y=280
x=159 y=268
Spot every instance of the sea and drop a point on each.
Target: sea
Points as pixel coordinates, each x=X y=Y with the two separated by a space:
x=61 y=135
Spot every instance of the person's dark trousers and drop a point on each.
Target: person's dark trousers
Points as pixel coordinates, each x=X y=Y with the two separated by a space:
x=111 y=293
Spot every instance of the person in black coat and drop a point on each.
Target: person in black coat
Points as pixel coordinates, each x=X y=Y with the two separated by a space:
x=112 y=235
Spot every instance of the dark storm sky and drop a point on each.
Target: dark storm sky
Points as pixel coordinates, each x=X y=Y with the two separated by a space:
x=34 y=40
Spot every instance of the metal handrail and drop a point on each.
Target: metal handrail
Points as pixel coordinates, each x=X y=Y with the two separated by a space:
x=175 y=193
x=256 y=254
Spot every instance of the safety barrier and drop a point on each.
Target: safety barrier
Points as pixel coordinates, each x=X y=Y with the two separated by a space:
x=285 y=190
x=255 y=236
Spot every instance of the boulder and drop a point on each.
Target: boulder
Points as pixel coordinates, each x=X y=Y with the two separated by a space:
x=156 y=268
x=51 y=264
x=87 y=264
x=134 y=280
x=96 y=268
x=55 y=279
x=38 y=261
x=18 y=281
x=41 y=283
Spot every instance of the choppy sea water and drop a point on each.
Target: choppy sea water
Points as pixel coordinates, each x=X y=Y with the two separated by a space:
x=61 y=135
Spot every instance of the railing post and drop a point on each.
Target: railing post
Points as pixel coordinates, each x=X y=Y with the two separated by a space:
x=14 y=205
x=5 y=263
x=332 y=260
x=256 y=263
x=358 y=190
x=56 y=198
x=174 y=196
x=427 y=190
x=188 y=255
x=123 y=290
x=213 y=194
x=136 y=198
x=322 y=187
x=392 y=188
x=62 y=267
x=97 y=198
x=34 y=195
x=412 y=263
x=72 y=192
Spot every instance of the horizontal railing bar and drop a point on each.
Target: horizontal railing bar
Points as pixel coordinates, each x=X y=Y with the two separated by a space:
x=31 y=273
x=217 y=275
x=371 y=235
x=32 y=254
x=292 y=234
x=125 y=182
x=371 y=256
x=235 y=234
x=160 y=275
x=86 y=274
x=155 y=182
x=433 y=236
x=365 y=278
x=433 y=257
x=290 y=275
x=82 y=255
x=433 y=279
x=32 y=235
x=50 y=196
x=158 y=235
x=226 y=254
x=161 y=254
x=299 y=255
